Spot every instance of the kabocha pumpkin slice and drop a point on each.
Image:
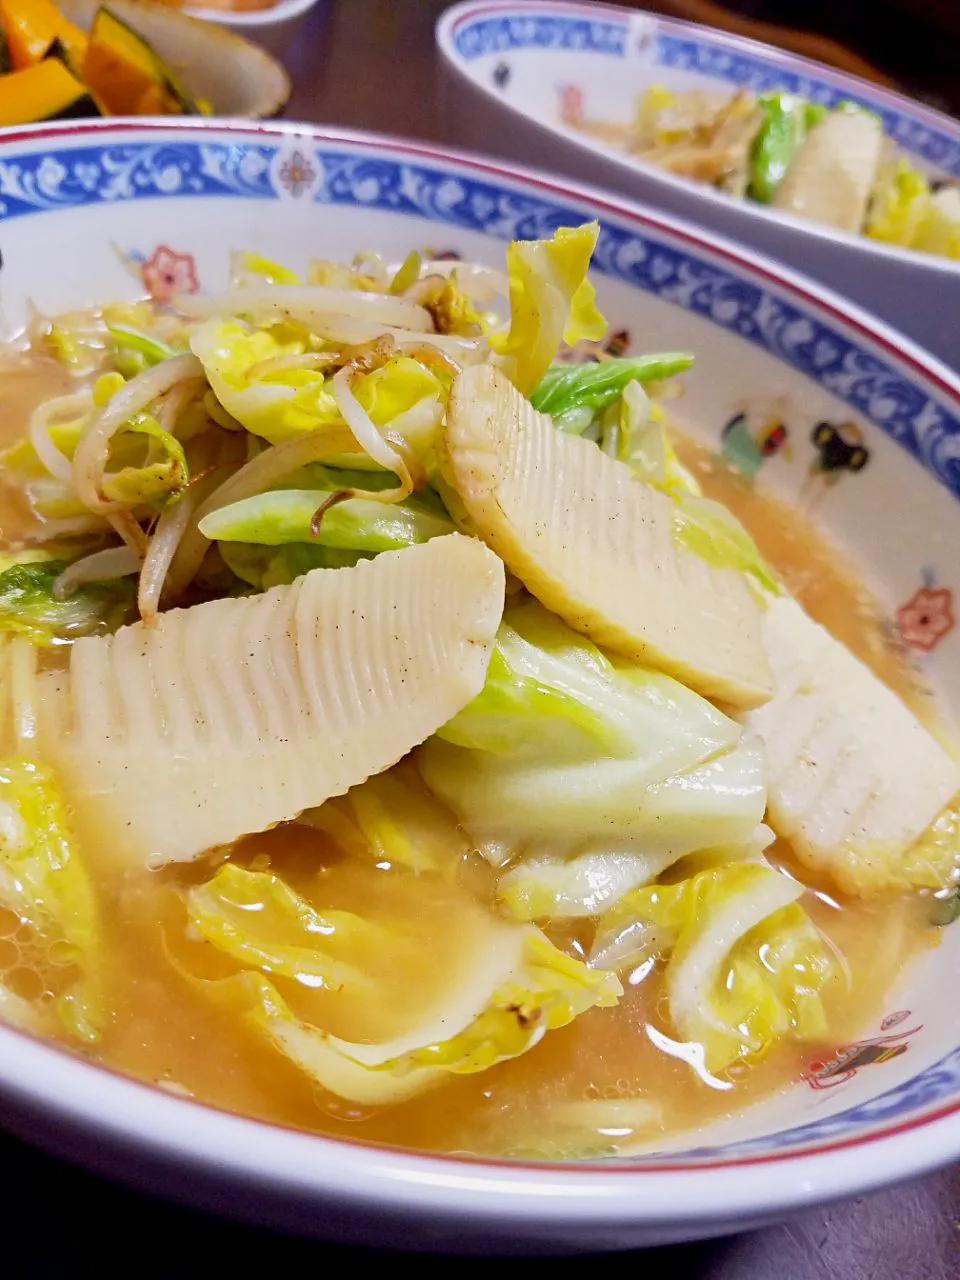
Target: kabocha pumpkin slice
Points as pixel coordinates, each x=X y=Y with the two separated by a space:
x=70 y=47
x=45 y=91
x=231 y=716
x=597 y=547
x=30 y=28
x=128 y=75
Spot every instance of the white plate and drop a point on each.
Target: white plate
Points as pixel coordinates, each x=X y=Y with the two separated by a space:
x=236 y=77
x=173 y=199
x=509 y=67
x=274 y=28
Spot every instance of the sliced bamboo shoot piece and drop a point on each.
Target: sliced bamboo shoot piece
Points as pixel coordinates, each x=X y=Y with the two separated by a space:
x=854 y=779
x=229 y=717
x=596 y=546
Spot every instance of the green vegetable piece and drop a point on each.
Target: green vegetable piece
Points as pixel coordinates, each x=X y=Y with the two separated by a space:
x=772 y=149
x=714 y=534
x=255 y=918
x=946 y=910
x=408 y=273
x=29 y=608
x=161 y=474
x=568 y=388
x=786 y=122
x=358 y=524
x=136 y=351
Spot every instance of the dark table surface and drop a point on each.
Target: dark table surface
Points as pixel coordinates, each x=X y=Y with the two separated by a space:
x=369 y=64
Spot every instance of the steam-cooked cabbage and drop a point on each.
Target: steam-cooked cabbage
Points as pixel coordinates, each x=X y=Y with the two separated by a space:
x=594 y=774
x=551 y=301
x=745 y=965
x=50 y=970
x=516 y=988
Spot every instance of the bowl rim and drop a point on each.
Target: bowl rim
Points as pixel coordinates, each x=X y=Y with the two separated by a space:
x=457 y=14
x=41 y=1079
x=258 y=19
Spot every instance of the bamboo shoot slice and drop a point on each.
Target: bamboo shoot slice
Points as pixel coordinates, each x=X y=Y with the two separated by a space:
x=231 y=716
x=596 y=546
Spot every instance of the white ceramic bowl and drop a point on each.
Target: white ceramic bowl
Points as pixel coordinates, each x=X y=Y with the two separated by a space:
x=766 y=341
x=507 y=66
x=236 y=77
x=274 y=28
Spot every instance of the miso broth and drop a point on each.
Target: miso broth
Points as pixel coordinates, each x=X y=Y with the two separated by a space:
x=162 y=1028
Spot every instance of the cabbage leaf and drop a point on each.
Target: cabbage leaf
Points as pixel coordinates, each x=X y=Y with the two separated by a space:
x=940 y=232
x=588 y=776
x=44 y=885
x=29 y=608
x=392 y=820
x=255 y=918
x=703 y=526
x=715 y=534
x=359 y=524
x=551 y=301
x=745 y=965
x=158 y=473
x=518 y=987
x=900 y=204
x=282 y=403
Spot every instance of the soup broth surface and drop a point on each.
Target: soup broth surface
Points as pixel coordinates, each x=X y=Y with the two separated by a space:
x=164 y=1029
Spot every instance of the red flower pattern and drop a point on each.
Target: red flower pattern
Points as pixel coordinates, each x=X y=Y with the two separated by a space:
x=297 y=174
x=571 y=104
x=926 y=618
x=166 y=273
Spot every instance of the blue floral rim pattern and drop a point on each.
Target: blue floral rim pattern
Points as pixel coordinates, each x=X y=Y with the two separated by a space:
x=714 y=58
x=936 y=1085
x=90 y=174
x=659 y=263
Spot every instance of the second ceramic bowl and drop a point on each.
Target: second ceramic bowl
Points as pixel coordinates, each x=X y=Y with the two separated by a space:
x=510 y=67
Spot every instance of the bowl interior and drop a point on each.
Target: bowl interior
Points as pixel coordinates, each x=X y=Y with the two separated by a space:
x=157 y=209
